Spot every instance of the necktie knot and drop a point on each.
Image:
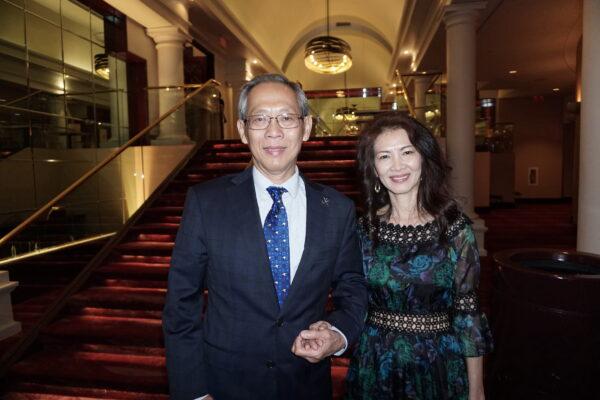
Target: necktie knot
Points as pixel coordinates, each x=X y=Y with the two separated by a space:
x=276 y=192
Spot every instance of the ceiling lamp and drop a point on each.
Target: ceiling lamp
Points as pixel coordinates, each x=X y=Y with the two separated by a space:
x=101 y=65
x=327 y=54
x=346 y=114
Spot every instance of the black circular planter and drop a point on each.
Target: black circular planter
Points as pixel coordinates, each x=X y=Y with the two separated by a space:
x=546 y=325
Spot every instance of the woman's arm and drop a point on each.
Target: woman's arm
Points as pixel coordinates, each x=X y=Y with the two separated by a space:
x=475 y=376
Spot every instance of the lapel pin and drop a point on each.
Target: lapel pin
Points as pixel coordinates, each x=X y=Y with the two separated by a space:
x=325 y=201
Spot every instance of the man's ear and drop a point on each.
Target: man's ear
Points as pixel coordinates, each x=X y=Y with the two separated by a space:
x=308 y=121
x=241 y=127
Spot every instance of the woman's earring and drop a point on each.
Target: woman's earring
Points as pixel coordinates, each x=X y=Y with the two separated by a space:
x=377 y=187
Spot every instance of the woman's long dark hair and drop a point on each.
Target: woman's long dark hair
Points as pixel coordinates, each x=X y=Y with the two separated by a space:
x=433 y=196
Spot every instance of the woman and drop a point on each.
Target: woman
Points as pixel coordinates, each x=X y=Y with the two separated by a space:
x=425 y=336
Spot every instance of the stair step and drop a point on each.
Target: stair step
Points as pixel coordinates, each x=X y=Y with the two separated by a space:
x=143 y=258
x=156 y=227
x=32 y=391
x=155 y=237
x=92 y=370
x=140 y=271
x=112 y=312
x=133 y=283
x=107 y=330
x=145 y=246
x=110 y=349
x=120 y=297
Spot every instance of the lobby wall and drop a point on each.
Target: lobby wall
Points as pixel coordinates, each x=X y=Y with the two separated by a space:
x=538 y=141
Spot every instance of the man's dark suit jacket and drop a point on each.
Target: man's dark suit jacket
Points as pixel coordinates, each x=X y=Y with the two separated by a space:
x=241 y=349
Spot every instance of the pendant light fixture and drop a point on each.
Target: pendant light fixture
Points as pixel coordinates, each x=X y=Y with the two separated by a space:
x=101 y=65
x=327 y=54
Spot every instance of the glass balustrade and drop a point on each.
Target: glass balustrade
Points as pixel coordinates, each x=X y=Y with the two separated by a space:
x=102 y=203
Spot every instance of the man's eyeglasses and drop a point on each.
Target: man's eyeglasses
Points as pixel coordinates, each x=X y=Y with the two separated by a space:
x=285 y=121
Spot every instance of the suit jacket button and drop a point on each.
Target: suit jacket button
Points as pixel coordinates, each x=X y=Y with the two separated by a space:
x=280 y=322
x=270 y=364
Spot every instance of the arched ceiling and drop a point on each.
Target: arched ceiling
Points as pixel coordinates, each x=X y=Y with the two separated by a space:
x=282 y=28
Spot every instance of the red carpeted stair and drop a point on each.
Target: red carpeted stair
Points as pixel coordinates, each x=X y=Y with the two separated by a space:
x=107 y=343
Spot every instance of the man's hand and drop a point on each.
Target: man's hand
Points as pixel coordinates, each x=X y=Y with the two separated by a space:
x=317 y=343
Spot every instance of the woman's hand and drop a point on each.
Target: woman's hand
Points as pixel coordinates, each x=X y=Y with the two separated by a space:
x=475 y=375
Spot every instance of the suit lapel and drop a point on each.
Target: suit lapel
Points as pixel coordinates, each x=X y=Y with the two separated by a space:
x=316 y=214
x=245 y=214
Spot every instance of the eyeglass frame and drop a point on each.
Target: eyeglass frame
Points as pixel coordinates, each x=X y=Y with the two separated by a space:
x=276 y=118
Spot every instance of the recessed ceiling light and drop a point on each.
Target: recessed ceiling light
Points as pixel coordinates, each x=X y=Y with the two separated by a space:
x=255 y=61
x=512 y=71
x=406 y=52
x=556 y=89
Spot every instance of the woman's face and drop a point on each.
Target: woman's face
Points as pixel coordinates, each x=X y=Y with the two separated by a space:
x=397 y=162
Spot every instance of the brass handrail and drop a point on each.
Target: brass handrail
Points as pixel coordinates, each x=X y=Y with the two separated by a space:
x=101 y=165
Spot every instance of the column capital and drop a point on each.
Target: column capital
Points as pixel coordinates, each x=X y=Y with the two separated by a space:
x=463 y=13
x=167 y=35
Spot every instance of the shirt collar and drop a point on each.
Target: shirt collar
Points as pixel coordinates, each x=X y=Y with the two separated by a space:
x=261 y=182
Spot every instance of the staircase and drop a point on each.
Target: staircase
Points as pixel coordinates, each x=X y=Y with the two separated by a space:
x=107 y=342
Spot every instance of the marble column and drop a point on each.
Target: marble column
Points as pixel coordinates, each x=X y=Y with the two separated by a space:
x=460 y=20
x=588 y=219
x=169 y=46
x=421 y=84
x=8 y=326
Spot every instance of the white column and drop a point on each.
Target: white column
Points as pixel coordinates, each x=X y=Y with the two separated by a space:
x=236 y=74
x=421 y=84
x=8 y=326
x=588 y=220
x=169 y=46
x=460 y=20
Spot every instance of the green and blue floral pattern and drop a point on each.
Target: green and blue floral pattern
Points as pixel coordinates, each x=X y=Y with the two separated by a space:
x=419 y=278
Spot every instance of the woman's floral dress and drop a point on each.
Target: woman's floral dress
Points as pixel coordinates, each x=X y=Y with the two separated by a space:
x=413 y=272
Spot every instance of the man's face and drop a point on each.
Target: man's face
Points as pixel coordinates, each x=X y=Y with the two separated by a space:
x=274 y=149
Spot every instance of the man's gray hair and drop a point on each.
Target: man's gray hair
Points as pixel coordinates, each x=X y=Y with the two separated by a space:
x=275 y=78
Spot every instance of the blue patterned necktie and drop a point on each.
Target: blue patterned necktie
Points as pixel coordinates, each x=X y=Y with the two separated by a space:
x=278 y=246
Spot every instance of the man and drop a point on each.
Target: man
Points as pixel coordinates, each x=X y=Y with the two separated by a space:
x=268 y=245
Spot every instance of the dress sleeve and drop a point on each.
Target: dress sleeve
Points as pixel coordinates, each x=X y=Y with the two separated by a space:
x=469 y=323
x=365 y=246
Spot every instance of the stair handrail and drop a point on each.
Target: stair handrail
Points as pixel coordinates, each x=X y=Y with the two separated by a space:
x=42 y=210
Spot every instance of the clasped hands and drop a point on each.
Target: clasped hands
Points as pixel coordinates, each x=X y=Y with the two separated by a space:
x=318 y=342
